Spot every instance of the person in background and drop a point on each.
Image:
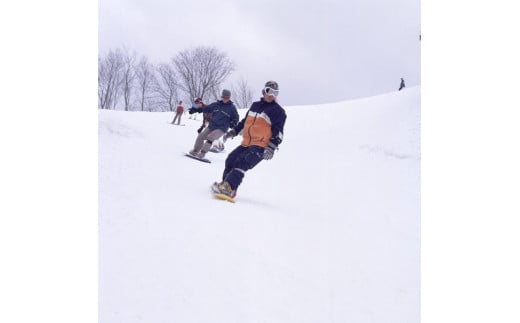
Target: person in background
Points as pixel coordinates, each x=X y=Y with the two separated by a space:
x=206 y=117
x=223 y=116
x=178 y=113
x=197 y=103
x=218 y=146
x=402 y=86
x=262 y=132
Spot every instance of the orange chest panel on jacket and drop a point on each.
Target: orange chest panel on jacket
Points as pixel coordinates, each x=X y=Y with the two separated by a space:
x=257 y=130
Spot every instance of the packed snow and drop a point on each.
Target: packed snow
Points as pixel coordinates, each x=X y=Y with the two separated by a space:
x=326 y=231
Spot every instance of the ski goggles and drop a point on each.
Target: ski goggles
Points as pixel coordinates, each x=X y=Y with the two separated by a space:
x=270 y=91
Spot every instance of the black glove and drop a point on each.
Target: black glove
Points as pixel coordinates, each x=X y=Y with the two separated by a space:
x=200 y=129
x=269 y=151
x=192 y=110
x=230 y=134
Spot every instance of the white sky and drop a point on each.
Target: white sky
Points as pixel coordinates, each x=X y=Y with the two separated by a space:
x=318 y=51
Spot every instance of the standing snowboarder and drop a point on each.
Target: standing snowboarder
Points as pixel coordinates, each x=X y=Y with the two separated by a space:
x=224 y=115
x=402 y=86
x=178 y=113
x=262 y=132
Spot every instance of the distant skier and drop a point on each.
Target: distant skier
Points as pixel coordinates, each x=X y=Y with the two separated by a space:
x=178 y=113
x=224 y=115
x=262 y=132
x=402 y=86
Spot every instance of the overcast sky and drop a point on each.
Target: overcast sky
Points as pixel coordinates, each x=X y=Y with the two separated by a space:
x=318 y=51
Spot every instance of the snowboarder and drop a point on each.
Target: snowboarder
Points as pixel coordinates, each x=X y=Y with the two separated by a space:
x=402 y=86
x=262 y=132
x=206 y=117
x=218 y=146
x=224 y=115
x=197 y=103
x=178 y=113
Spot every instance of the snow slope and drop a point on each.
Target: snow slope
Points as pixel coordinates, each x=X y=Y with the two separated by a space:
x=326 y=231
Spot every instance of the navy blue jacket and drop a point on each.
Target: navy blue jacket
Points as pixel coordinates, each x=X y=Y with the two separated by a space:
x=223 y=115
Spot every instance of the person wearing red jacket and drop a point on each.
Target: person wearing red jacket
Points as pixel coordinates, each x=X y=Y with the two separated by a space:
x=178 y=113
x=262 y=132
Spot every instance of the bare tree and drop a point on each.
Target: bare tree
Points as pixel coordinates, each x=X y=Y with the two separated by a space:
x=202 y=70
x=102 y=81
x=128 y=76
x=166 y=87
x=109 y=79
x=242 y=94
x=213 y=94
x=145 y=84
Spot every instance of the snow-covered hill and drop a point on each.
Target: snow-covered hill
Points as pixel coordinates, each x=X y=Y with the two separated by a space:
x=326 y=231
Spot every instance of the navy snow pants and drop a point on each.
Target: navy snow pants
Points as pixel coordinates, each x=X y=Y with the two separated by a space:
x=239 y=161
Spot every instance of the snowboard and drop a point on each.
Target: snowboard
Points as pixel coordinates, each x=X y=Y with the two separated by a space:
x=221 y=196
x=174 y=124
x=204 y=160
x=216 y=150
